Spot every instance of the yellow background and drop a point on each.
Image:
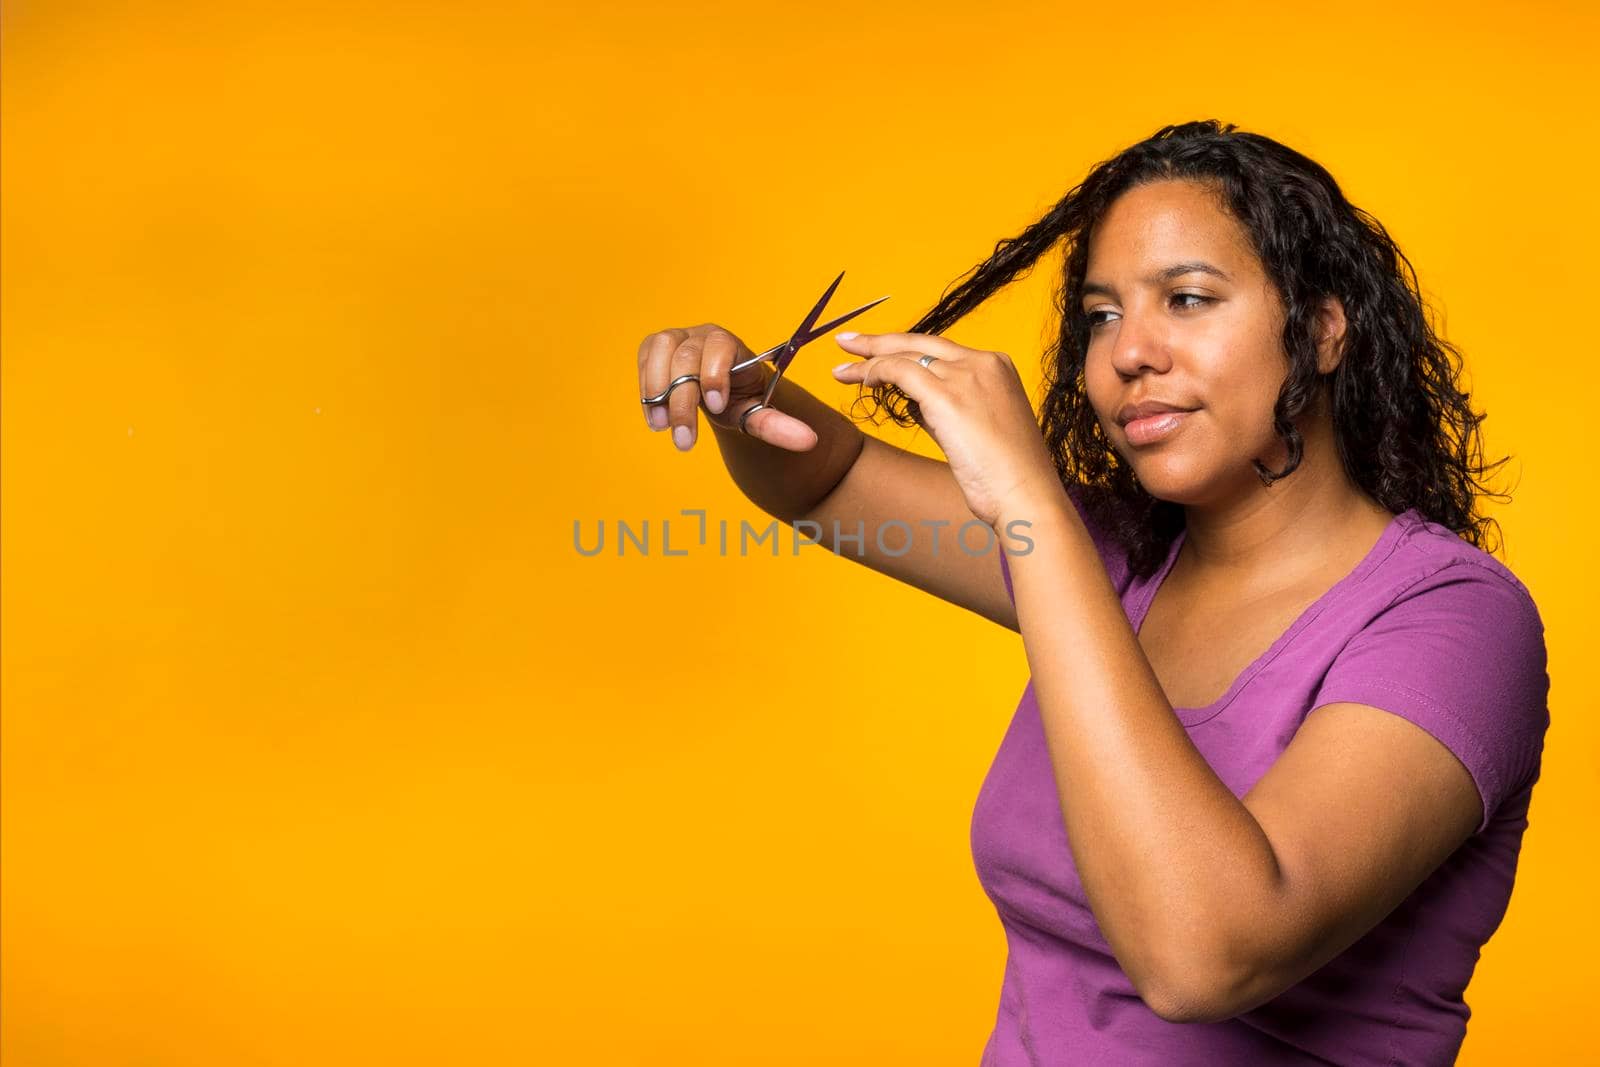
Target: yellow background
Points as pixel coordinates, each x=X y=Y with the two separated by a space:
x=321 y=742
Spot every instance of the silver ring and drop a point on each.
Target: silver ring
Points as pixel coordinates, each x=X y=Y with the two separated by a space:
x=751 y=410
x=925 y=360
x=661 y=397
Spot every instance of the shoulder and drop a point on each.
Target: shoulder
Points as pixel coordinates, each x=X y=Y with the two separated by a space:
x=1429 y=558
x=1448 y=637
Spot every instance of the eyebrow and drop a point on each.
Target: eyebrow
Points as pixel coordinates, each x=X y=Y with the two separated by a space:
x=1166 y=274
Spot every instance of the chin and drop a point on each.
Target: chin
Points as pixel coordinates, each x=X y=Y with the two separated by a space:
x=1172 y=479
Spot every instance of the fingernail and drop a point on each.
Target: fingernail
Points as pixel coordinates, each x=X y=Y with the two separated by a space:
x=714 y=401
x=843 y=366
x=658 y=418
x=683 y=437
x=848 y=335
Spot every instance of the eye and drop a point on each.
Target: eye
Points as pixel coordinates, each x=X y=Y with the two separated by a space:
x=1200 y=301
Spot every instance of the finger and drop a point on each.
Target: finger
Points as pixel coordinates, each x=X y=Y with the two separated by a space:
x=898 y=369
x=938 y=365
x=880 y=344
x=721 y=348
x=682 y=406
x=655 y=370
x=779 y=429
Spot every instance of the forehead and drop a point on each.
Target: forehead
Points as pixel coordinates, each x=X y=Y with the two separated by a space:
x=1167 y=221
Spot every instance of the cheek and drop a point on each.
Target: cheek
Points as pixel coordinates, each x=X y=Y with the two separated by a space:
x=1241 y=386
x=1103 y=388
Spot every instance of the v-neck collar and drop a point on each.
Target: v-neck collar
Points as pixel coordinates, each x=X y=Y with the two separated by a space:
x=1194 y=716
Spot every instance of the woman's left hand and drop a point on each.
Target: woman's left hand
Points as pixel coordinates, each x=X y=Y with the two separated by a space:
x=977 y=410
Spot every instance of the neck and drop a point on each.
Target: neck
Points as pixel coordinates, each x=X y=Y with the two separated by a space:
x=1286 y=528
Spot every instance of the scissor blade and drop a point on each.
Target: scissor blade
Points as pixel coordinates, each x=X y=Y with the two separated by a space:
x=841 y=320
x=800 y=336
x=794 y=346
x=806 y=334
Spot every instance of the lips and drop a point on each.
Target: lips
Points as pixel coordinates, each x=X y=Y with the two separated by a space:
x=1145 y=408
x=1154 y=428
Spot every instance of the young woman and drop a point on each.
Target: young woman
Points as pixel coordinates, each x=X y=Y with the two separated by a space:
x=1262 y=800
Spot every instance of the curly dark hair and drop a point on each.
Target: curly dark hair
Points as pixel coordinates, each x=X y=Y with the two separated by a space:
x=1406 y=431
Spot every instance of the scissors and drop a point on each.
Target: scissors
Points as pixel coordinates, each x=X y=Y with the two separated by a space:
x=782 y=355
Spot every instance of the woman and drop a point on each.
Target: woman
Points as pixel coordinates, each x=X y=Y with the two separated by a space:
x=1262 y=799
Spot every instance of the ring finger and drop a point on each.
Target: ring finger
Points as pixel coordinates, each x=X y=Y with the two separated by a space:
x=916 y=344
x=655 y=363
x=938 y=366
x=683 y=405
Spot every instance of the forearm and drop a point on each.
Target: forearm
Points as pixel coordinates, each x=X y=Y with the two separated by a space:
x=1169 y=858
x=784 y=484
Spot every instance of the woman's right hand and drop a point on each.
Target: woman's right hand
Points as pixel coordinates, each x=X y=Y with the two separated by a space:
x=710 y=352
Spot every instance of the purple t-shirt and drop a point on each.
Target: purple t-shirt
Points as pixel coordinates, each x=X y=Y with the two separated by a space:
x=1427 y=627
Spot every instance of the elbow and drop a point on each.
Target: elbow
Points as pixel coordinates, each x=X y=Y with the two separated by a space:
x=1207 y=972
x=1183 y=1003
x=1209 y=995
x=1197 y=992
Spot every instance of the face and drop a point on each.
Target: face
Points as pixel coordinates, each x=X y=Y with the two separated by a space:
x=1163 y=327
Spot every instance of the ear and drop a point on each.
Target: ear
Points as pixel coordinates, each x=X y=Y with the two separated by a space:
x=1330 y=334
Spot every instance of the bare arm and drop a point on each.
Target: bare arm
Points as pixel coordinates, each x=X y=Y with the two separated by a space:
x=802 y=460
x=888 y=484
x=852 y=484
x=1214 y=904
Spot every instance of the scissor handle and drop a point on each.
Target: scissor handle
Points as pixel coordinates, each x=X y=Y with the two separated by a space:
x=753 y=360
x=661 y=397
x=807 y=333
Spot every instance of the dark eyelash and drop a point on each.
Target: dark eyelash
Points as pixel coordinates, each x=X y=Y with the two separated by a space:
x=1094 y=323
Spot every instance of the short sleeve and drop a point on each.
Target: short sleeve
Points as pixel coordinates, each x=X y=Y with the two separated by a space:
x=1112 y=555
x=1460 y=653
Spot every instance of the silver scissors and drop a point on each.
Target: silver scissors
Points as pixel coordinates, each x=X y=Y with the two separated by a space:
x=782 y=354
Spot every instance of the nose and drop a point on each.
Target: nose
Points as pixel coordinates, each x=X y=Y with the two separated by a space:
x=1140 y=343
